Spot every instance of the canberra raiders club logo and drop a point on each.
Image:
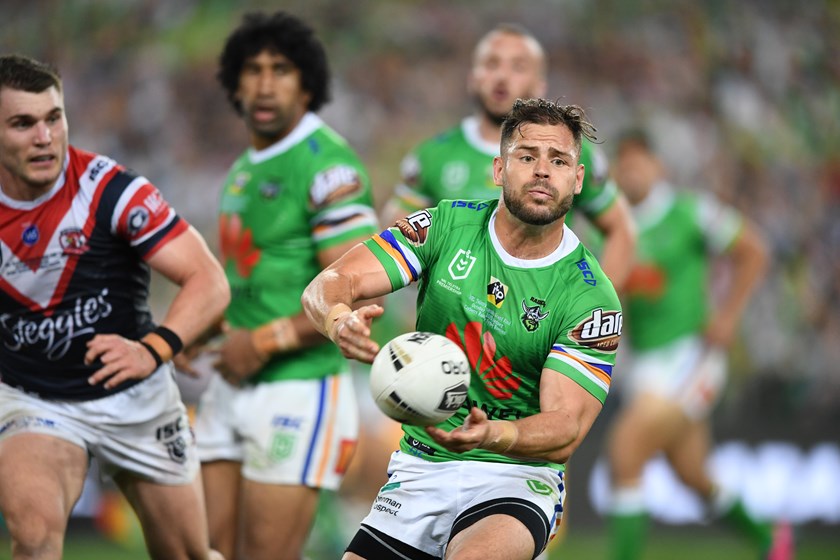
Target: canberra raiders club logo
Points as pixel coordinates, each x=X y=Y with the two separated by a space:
x=533 y=315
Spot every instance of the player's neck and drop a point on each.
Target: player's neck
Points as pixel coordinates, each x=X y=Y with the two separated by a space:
x=489 y=130
x=526 y=241
x=20 y=190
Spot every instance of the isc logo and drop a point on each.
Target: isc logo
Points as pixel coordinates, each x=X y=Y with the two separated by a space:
x=588 y=276
x=601 y=330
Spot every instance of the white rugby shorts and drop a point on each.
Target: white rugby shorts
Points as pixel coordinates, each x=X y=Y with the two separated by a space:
x=423 y=501
x=298 y=432
x=143 y=430
x=685 y=371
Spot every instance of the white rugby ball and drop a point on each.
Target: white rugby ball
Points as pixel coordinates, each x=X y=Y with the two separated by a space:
x=420 y=378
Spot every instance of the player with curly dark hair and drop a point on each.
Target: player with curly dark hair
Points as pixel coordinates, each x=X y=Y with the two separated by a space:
x=278 y=423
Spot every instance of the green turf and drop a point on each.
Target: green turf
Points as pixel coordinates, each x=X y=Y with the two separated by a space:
x=694 y=543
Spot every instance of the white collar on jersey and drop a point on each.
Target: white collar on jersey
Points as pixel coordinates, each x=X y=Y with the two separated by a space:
x=654 y=206
x=30 y=204
x=569 y=243
x=307 y=125
x=469 y=126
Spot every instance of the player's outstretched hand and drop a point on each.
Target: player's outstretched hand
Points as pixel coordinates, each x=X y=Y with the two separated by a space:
x=474 y=431
x=122 y=359
x=352 y=333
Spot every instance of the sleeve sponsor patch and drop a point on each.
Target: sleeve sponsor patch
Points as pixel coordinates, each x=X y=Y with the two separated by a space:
x=145 y=212
x=600 y=331
x=415 y=227
x=334 y=184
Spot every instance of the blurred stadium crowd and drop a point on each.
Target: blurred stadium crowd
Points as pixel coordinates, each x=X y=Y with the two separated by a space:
x=743 y=98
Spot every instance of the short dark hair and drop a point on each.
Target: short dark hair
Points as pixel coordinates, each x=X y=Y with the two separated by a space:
x=280 y=33
x=636 y=137
x=543 y=111
x=27 y=74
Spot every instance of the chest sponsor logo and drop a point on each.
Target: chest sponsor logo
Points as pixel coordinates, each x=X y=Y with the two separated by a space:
x=55 y=333
x=239 y=181
x=532 y=314
x=461 y=264
x=73 y=241
x=415 y=227
x=586 y=272
x=496 y=292
x=601 y=330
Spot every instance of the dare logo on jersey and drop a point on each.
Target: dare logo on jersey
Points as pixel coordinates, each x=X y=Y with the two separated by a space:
x=601 y=330
x=334 y=184
x=415 y=227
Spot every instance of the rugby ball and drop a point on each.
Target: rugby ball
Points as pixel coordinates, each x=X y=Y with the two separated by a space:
x=420 y=378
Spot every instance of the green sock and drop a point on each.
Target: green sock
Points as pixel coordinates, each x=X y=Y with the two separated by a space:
x=628 y=533
x=737 y=517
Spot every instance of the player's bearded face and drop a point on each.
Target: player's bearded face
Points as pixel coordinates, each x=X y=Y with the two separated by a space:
x=533 y=213
x=272 y=97
x=539 y=174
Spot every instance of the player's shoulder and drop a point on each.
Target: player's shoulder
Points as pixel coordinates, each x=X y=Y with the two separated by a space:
x=586 y=280
x=440 y=142
x=460 y=212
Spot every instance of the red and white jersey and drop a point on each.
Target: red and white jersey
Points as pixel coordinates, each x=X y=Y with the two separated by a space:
x=72 y=265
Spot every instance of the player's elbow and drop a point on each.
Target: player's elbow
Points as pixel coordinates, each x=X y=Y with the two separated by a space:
x=218 y=291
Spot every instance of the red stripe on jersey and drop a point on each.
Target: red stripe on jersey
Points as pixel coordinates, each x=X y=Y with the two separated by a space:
x=89 y=224
x=179 y=228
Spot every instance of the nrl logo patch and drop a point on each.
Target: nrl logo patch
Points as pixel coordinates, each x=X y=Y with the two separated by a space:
x=532 y=316
x=601 y=331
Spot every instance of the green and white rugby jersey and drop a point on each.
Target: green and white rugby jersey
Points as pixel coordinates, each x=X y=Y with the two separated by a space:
x=280 y=206
x=512 y=317
x=458 y=164
x=667 y=291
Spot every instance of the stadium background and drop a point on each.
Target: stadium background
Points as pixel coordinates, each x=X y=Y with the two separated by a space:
x=743 y=99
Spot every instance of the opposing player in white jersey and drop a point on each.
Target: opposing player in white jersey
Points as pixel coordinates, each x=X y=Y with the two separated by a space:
x=678 y=342
x=540 y=323
x=85 y=371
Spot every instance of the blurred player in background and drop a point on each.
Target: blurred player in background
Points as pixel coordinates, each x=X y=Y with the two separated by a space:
x=678 y=340
x=280 y=420
x=508 y=63
x=540 y=323
x=85 y=371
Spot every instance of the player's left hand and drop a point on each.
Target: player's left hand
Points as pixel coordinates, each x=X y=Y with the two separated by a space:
x=474 y=431
x=238 y=357
x=122 y=359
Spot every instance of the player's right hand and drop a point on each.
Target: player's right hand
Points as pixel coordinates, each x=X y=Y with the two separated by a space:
x=352 y=333
x=122 y=359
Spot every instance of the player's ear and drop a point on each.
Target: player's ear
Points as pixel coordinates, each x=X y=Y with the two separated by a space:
x=498 y=169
